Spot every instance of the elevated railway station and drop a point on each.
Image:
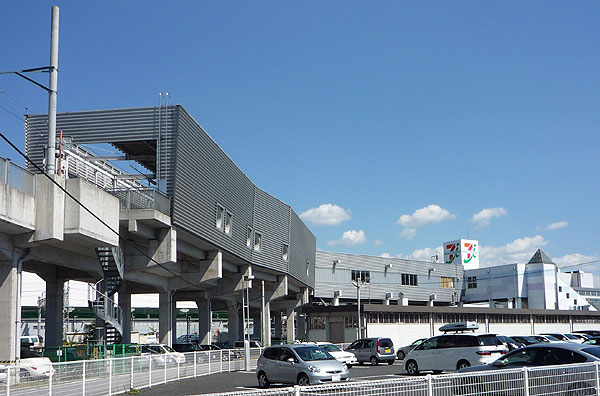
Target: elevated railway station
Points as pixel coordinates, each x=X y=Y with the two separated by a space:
x=188 y=225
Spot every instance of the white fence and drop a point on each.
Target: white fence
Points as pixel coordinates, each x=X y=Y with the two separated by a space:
x=119 y=375
x=569 y=380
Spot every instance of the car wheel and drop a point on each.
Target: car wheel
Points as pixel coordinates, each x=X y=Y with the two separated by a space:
x=349 y=365
x=263 y=381
x=412 y=367
x=462 y=364
x=303 y=380
x=374 y=361
x=400 y=355
x=390 y=362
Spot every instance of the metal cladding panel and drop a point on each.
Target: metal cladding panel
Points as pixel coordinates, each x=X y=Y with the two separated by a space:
x=339 y=277
x=272 y=221
x=105 y=126
x=204 y=178
x=302 y=251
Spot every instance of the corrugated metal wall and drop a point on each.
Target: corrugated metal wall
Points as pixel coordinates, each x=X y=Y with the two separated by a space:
x=339 y=277
x=105 y=126
x=200 y=177
x=302 y=251
x=206 y=177
x=272 y=220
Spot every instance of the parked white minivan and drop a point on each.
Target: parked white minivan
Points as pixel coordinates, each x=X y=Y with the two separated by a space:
x=451 y=352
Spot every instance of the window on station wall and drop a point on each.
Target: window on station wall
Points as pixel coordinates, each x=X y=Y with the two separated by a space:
x=361 y=276
x=409 y=280
x=228 y=222
x=350 y=322
x=285 y=252
x=317 y=323
x=220 y=220
x=446 y=283
x=257 y=241
x=471 y=282
x=249 y=237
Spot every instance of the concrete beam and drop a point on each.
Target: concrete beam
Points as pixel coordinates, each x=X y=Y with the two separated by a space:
x=64 y=258
x=49 y=209
x=191 y=250
x=140 y=229
x=159 y=282
x=280 y=289
x=210 y=270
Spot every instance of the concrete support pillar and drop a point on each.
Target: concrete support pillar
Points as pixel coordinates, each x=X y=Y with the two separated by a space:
x=8 y=310
x=55 y=294
x=233 y=324
x=125 y=304
x=290 y=325
x=266 y=325
x=166 y=318
x=256 y=325
x=204 y=320
x=301 y=327
x=278 y=325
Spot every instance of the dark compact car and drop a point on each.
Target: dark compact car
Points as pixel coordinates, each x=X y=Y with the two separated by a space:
x=562 y=380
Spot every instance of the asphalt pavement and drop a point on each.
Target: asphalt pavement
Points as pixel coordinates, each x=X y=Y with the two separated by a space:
x=244 y=380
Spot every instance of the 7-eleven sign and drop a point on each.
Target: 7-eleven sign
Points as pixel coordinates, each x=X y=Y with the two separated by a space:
x=463 y=251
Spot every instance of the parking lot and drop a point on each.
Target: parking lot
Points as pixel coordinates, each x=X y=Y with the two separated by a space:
x=244 y=380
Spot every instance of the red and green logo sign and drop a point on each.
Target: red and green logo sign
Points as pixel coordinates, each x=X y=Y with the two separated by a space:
x=471 y=249
x=451 y=258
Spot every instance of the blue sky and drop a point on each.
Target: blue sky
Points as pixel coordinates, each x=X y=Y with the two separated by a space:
x=380 y=109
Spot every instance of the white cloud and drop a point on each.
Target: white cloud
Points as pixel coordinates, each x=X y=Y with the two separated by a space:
x=429 y=214
x=426 y=254
x=350 y=238
x=571 y=261
x=558 y=224
x=518 y=251
x=377 y=242
x=408 y=233
x=483 y=218
x=387 y=255
x=327 y=214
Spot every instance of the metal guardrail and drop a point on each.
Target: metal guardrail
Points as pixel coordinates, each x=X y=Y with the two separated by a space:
x=16 y=176
x=120 y=375
x=141 y=199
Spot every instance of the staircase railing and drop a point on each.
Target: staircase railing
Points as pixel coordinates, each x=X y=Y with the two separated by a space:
x=105 y=307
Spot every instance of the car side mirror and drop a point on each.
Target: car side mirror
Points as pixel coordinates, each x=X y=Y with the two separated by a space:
x=291 y=360
x=499 y=363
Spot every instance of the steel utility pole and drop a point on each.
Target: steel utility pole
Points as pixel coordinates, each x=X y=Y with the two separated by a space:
x=50 y=154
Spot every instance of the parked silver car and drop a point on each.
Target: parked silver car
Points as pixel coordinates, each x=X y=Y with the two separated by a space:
x=373 y=350
x=403 y=351
x=300 y=364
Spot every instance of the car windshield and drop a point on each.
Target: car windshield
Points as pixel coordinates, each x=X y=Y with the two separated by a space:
x=155 y=349
x=168 y=348
x=572 y=337
x=329 y=348
x=418 y=342
x=310 y=353
x=488 y=340
x=551 y=338
x=526 y=339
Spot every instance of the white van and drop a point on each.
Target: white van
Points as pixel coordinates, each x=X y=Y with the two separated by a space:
x=451 y=352
x=34 y=341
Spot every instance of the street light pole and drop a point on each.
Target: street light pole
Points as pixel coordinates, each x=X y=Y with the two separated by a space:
x=246 y=317
x=357 y=285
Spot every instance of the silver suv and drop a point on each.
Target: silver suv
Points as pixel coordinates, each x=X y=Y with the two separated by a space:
x=373 y=350
x=300 y=364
